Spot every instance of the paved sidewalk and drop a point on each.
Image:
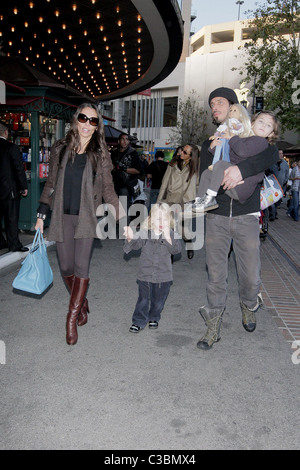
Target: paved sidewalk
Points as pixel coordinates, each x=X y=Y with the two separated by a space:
x=155 y=390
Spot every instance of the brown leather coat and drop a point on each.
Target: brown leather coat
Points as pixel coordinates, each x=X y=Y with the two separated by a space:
x=95 y=189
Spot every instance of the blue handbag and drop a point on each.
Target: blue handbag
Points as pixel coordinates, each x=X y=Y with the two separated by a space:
x=35 y=276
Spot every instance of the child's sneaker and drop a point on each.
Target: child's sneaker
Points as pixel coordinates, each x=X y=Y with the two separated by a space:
x=205 y=203
x=134 y=329
x=153 y=325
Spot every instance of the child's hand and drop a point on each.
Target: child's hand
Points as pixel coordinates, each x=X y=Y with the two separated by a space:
x=226 y=134
x=215 y=143
x=128 y=233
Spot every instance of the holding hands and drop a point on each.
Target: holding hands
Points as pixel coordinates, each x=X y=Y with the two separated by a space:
x=128 y=233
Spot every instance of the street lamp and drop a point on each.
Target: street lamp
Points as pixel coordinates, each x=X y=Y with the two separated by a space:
x=239 y=3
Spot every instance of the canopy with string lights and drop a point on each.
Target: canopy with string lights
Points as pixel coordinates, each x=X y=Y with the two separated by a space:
x=101 y=49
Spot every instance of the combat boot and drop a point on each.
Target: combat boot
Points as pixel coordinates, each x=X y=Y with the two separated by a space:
x=213 y=321
x=248 y=314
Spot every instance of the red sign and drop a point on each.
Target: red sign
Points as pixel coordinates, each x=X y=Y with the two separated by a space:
x=145 y=92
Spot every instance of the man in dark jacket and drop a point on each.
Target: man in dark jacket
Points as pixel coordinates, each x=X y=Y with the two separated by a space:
x=232 y=222
x=13 y=184
x=127 y=168
x=156 y=172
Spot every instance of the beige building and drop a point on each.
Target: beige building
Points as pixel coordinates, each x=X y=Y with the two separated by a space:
x=206 y=63
x=220 y=37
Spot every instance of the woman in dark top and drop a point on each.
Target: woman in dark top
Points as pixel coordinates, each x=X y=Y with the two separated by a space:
x=79 y=179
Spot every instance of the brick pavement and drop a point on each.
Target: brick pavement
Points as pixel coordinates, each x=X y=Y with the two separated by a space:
x=280 y=254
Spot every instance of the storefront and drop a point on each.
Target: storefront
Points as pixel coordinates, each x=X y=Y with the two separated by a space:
x=35 y=124
x=37 y=115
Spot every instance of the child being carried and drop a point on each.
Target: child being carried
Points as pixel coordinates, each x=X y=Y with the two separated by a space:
x=263 y=131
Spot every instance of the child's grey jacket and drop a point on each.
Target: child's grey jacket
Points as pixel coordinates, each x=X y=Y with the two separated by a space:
x=155 y=261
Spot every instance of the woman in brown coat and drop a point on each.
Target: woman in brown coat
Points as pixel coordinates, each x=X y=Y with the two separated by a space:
x=79 y=179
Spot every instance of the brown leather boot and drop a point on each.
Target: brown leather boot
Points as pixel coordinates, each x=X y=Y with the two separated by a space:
x=77 y=298
x=83 y=316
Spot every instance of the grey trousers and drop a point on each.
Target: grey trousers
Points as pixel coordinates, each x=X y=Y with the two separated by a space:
x=243 y=231
x=212 y=179
x=74 y=254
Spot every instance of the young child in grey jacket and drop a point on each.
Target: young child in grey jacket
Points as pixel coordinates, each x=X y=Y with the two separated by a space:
x=158 y=243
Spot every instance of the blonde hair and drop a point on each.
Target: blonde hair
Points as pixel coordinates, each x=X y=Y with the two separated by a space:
x=159 y=207
x=244 y=118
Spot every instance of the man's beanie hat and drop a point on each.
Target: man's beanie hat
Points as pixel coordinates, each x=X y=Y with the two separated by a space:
x=223 y=92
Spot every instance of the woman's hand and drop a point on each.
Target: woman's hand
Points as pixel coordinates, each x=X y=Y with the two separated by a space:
x=128 y=233
x=39 y=225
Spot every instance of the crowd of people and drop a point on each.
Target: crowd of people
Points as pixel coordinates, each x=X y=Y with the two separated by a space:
x=230 y=167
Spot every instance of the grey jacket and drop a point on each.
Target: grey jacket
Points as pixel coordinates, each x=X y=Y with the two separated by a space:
x=95 y=188
x=155 y=261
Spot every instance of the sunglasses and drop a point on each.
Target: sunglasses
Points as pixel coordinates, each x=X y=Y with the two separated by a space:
x=83 y=118
x=186 y=153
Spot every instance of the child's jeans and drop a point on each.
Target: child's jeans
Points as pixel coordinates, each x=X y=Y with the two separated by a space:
x=151 y=301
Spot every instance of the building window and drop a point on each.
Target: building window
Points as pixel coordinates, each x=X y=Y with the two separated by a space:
x=170 y=112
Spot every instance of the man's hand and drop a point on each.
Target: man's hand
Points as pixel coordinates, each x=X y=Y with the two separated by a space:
x=232 y=177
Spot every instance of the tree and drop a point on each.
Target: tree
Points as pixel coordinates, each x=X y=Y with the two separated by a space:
x=191 y=122
x=272 y=59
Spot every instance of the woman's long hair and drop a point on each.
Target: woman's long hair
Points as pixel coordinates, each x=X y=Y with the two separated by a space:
x=96 y=147
x=175 y=156
x=193 y=163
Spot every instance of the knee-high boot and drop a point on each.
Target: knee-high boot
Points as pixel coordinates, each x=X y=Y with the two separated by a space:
x=77 y=298
x=83 y=316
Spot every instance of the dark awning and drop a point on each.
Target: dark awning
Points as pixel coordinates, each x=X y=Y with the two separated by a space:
x=21 y=100
x=14 y=88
